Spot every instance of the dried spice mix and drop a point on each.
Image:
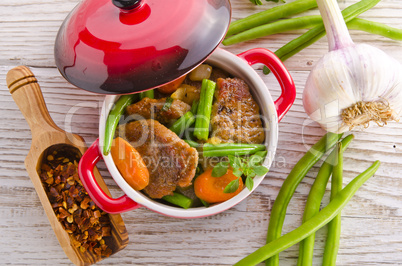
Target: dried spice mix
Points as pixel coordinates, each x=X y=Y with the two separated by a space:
x=86 y=224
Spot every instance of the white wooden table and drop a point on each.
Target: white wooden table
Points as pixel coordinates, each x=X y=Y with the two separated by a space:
x=371 y=222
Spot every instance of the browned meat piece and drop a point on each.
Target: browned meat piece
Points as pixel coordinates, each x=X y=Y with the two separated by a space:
x=152 y=109
x=235 y=115
x=171 y=162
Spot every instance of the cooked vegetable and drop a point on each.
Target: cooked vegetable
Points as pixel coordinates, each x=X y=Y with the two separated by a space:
x=194 y=107
x=211 y=189
x=202 y=121
x=167 y=104
x=290 y=184
x=130 y=164
x=316 y=33
x=113 y=119
x=309 y=227
x=192 y=143
x=307 y=22
x=225 y=149
x=247 y=166
x=147 y=94
x=270 y=15
x=334 y=227
x=314 y=199
x=201 y=72
x=353 y=84
x=179 y=200
x=186 y=93
x=172 y=86
x=184 y=122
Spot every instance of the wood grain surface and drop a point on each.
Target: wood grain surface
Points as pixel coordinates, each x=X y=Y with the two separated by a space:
x=371 y=222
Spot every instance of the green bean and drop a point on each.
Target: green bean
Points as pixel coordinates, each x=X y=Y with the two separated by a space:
x=333 y=208
x=202 y=121
x=334 y=227
x=290 y=184
x=192 y=143
x=232 y=146
x=194 y=107
x=375 y=28
x=269 y=15
x=179 y=200
x=307 y=22
x=225 y=149
x=316 y=33
x=313 y=202
x=184 y=122
x=274 y=28
x=147 y=94
x=113 y=119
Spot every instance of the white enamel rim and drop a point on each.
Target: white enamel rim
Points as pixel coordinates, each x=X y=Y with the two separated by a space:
x=239 y=68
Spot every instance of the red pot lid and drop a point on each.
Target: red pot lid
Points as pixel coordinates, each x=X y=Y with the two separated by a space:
x=127 y=46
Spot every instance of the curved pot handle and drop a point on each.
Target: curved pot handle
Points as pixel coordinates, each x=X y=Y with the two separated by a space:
x=268 y=58
x=86 y=167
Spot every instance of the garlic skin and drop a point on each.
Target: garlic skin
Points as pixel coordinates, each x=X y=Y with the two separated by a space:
x=352 y=84
x=344 y=77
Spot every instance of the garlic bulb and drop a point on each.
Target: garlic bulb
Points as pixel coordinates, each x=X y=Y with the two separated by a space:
x=353 y=84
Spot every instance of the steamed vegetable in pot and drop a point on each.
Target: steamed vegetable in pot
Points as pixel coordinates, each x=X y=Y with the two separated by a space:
x=184 y=133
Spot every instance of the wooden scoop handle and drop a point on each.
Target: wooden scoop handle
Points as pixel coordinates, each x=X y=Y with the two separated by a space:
x=28 y=96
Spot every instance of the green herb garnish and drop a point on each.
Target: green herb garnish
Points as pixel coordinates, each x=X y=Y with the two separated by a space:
x=248 y=167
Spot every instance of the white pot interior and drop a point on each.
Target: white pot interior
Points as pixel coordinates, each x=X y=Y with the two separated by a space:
x=238 y=68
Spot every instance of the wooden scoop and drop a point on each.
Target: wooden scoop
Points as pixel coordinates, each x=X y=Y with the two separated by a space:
x=46 y=135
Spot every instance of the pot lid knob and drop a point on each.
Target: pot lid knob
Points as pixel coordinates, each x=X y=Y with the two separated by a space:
x=126 y=4
x=128 y=46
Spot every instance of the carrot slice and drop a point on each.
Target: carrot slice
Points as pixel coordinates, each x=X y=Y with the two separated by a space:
x=210 y=189
x=129 y=163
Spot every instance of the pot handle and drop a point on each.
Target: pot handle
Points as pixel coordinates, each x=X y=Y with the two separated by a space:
x=268 y=58
x=86 y=167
